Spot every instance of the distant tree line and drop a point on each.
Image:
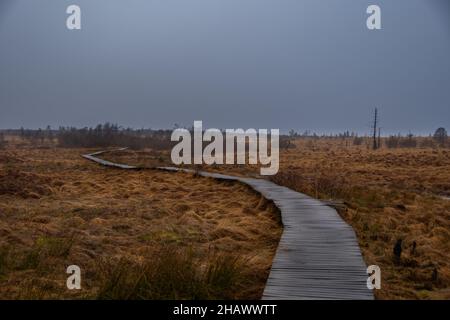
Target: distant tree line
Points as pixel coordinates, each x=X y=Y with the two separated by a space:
x=102 y=135
x=36 y=136
x=399 y=141
x=438 y=139
x=106 y=135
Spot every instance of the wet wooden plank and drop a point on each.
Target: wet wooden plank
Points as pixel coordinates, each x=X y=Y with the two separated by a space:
x=318 y=256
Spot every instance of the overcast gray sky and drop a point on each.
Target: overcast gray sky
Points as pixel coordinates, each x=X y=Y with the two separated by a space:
x=301 y=64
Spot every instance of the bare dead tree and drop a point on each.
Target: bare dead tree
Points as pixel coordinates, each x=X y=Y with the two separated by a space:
x=375 y=122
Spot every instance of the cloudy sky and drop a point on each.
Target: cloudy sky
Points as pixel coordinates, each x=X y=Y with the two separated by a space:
x=301 y=64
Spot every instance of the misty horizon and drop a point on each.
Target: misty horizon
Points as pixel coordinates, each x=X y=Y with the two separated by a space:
x=307 y=132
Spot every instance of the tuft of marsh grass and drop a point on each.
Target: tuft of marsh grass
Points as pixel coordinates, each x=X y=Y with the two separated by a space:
x=31 y=258
x=172 y=274
x=55 y=247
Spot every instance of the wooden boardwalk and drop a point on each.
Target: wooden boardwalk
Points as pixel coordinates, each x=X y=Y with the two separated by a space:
x=318 y=256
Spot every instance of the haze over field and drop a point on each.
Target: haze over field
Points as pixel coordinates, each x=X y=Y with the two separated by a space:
x=257 y=63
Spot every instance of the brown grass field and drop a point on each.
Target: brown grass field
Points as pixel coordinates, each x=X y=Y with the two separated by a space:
x=388 y=195
x=58 y=209
x=385 y=195
x=135 y=235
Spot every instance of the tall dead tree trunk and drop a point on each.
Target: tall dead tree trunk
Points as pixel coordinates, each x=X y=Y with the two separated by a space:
x=375 y=121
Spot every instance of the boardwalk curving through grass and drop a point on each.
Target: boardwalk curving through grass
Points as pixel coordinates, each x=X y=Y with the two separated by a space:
x=318 y=256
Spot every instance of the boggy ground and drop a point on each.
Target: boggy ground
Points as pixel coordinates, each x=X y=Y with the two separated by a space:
x=135 y=234
x=385 y=195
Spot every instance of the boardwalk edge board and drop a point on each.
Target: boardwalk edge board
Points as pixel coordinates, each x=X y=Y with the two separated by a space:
x=318 y=256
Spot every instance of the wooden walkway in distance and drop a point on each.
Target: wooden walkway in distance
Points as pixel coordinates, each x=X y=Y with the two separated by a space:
x=318 y=256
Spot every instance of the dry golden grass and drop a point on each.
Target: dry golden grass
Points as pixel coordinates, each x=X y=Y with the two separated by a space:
x=388 y=194
x=57 y=209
